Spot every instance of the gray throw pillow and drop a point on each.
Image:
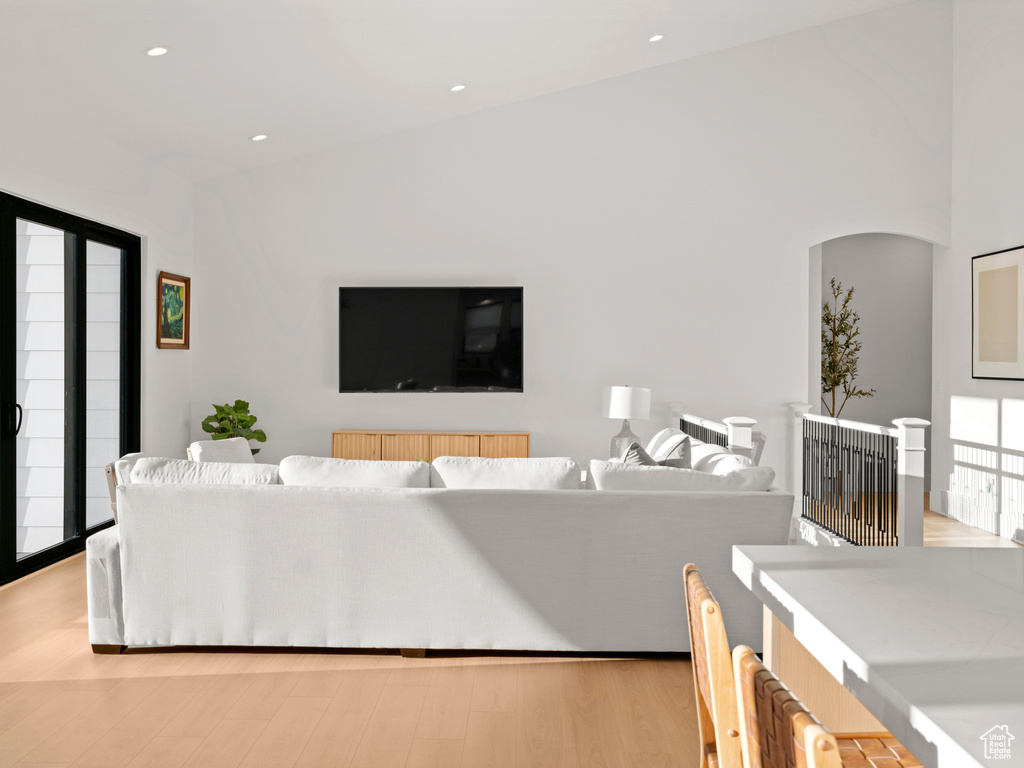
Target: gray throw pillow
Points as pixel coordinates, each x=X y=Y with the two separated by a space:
x=635 y=454
x=679 y=458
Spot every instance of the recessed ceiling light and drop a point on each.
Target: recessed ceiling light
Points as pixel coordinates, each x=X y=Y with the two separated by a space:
x=654 y=38
x=459 y=87
x=258 y=137
x=158 y=51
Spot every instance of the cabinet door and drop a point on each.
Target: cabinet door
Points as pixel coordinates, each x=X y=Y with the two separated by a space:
x=505 y=446
x=356 y=445
x=454 y=445
x=405 y=447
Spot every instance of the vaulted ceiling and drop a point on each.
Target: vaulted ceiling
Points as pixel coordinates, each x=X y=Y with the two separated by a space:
x=317 y=74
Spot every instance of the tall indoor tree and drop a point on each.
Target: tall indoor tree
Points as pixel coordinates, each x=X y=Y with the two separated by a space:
x=840 y=350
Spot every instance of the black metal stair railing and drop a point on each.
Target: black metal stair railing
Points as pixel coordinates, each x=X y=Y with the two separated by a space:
x=850 y=480
x=703 y=433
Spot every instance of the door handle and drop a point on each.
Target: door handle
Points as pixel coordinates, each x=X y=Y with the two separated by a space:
x=21 y=413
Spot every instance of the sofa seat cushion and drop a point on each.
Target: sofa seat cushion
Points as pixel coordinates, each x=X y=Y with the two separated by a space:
x=540 y=474
x=353 y=473
x=160 y=471
x=615 y=476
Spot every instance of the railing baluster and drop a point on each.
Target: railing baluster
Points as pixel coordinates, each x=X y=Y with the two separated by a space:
x=895 y=490
x=876 y=499
x=850 y=481
x=704 y=433
x=887 y=497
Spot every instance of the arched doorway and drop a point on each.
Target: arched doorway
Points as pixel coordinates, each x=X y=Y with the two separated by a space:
x=892 y=278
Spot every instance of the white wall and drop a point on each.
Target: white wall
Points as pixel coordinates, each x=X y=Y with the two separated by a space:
x=892 y=278
x=977 y=423
x=46 y=158
x=660 y=223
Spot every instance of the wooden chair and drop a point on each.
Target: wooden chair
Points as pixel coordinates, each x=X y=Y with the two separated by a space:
x=111 y=478
x=712 y=676
x=777 y=731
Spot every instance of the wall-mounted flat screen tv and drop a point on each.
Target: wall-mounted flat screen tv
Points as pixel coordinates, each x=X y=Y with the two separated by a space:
x=430 y=339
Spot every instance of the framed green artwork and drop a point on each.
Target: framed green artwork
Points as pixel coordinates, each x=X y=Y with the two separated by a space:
x=173 y=297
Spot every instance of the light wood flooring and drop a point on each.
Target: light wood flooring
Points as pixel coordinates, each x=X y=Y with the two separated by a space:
x=941 y=531
x=60 y=705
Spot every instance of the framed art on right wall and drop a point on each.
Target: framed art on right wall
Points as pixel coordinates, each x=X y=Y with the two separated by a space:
x=998 y=315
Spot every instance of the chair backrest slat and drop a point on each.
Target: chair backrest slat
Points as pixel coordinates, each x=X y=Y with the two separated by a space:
x=712 y=674
x=776 y=730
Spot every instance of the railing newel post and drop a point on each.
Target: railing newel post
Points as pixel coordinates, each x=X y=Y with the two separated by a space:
x=910 y=448
x=741 y=435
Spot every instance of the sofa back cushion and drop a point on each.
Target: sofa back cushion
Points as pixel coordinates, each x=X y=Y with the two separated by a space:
x=541 y=474
x=616 y=476
x=159 y=471
x=354 y=473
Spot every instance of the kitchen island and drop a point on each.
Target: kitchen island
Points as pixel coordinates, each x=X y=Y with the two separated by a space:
x=931 y=641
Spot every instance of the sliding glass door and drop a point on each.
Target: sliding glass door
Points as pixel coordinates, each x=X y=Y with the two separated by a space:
x=69 y=377
x=39 y=386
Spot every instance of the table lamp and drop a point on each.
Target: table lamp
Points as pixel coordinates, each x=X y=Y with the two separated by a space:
x=626 y=403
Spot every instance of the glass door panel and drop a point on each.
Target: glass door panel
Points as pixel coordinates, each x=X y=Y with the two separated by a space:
x=103 y=374
x=39 y=384
x=70 y=377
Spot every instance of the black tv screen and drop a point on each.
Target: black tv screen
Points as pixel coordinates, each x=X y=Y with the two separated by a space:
x=430 y=339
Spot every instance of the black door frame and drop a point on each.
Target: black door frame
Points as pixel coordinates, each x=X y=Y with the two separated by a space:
x=77 y=232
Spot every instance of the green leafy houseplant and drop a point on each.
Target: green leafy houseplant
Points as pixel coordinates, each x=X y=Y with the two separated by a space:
x=234 y=421
x=840 y=349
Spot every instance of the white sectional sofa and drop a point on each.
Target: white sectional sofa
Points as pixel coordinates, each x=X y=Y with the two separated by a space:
x=267 y=564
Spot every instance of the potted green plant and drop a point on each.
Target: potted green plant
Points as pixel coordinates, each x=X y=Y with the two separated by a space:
x=840 y=350
x=233 y=421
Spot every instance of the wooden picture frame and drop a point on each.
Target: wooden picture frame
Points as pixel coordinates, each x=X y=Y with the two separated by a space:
x=997 y=315
x=173 y=302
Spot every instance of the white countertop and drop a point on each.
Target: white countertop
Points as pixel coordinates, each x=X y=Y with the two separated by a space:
x=931 y=640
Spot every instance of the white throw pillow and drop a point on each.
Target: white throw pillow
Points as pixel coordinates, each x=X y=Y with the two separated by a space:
x=157 y=471
x=548 y=473
x=233 y=450
x=608 y=476
x=726 y=463
x=635 y=454
x=659 y=439
x=123 y=467
x=354 y=473
x=700 y=455
x=671 y=443
x=678 y=457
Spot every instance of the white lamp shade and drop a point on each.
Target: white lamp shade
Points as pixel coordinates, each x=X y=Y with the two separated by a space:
x=627 y=403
